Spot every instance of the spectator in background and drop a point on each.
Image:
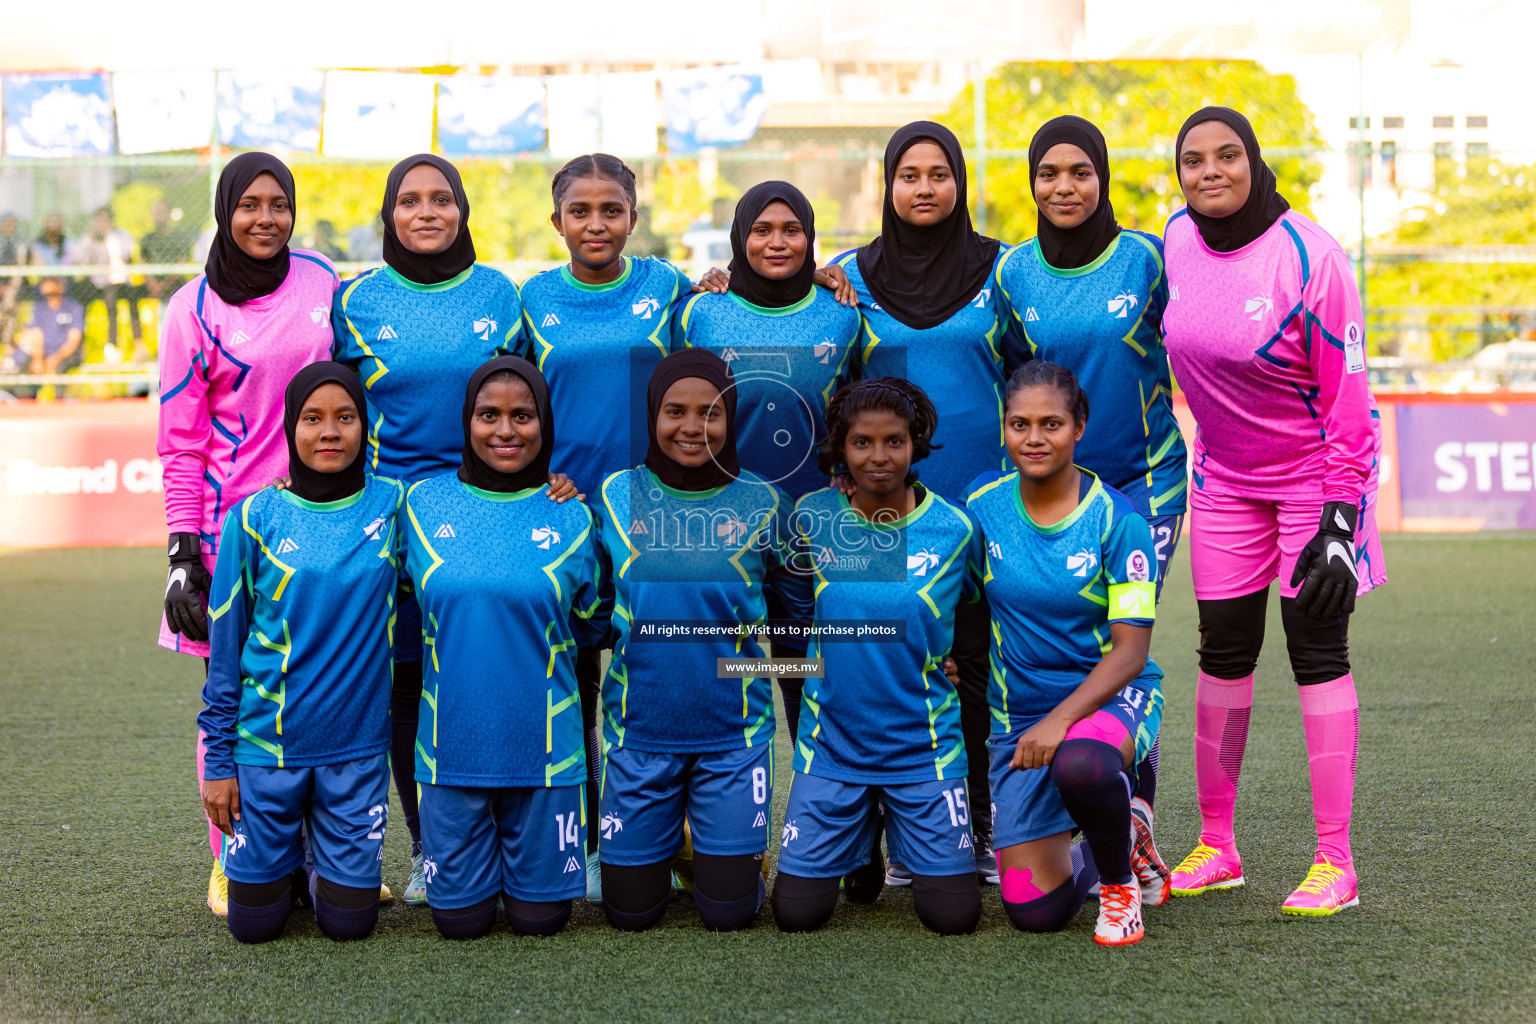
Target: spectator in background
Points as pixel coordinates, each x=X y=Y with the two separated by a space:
x=366 y=242
x=167 y=243
x=106 y=245
x=14 y=252
x=52 y=337
x=709 y=242
x=326 y=244
x=51 y=248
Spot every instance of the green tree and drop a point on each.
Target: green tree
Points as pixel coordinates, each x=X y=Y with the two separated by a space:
x=1139 y=106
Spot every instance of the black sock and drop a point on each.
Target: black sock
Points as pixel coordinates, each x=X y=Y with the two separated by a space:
x=1146 y=775
x=1097 y=794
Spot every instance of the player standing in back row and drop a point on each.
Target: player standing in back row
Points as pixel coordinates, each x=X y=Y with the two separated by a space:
x=1265 y=332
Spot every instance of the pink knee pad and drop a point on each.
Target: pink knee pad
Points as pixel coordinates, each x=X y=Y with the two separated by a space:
x=1101 y=726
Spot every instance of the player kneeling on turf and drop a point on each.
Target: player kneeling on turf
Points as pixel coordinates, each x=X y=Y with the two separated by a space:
x=297 y=714
x=1071 y=577
x=509 y=583
x=883 y=725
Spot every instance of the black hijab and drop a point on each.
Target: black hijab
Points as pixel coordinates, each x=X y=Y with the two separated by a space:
x=748 y=283
x=234 y=275
x=473 y=470
x=724 y=467
x=1264 y=205
x=427 y=267
x=1070 y=248
x=311 y=484
x=922 y=276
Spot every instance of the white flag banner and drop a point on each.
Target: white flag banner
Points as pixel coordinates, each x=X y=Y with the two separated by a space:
x=490 y=115
x=602 y=113
x=163 y=110
x=377 y=115
x=271 y=109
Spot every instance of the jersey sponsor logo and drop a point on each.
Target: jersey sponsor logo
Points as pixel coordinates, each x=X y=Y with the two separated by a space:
x=550 y=320
x=790 y=834
x=638 y=528
x=733 y=530
x=995 y=549
x=1030 y=316
x=1354 y=348
x=1256 y=307
x=920 y=563
x=611 y=825
x=982 y=298
x=824 y=351
x=1122 y=304
x=443 y=530
x=1082 y=563
x=1137 y=567
x=373 y=529
x=761 y=821
x=729 y=356
x=428 y=869
x=385 y=333
x=286 y=545
x=544 y=536
x=240 y=338
x=571 y=865
x=645 y=307
x=484 y=327
x=318 y=314
x=965 y=841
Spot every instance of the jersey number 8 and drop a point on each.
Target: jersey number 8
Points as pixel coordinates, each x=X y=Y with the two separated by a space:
x=759 y=785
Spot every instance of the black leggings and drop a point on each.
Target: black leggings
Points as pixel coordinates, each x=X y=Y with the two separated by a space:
x=972 y=654
x=1232 y=634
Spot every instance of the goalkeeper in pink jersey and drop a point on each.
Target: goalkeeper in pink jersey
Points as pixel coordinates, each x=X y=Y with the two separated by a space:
x=1264 y=330
x=232 y=339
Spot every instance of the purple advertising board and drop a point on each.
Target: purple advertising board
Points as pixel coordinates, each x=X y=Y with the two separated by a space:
x=1468 y=466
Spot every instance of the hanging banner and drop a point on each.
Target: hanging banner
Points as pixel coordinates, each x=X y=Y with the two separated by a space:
x=57 y=115
x=602 y=113
x=271 y=110
x=377 y=115
x=159 y=111
x=712 y=107
x=1468 y=465
x=490 y=115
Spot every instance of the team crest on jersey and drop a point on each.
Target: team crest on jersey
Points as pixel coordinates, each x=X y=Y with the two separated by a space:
x=286 y=545
x=1082 y=563
x=920 y=563
x=638 y=528
x=1257 y=307
x=385 y=333
x=1122 y=304
x=550 y=320
x=373 y=529
x=790 y=834
x=824 y=351
x=1138 y=568
x=645 y=307
x=732 y=530
x=611 y=825
x=1030 y=316
x=484 y=328
x=443 y=530
x=240 y=338
x=318 y=314
x=544 y=536
x=982 y=298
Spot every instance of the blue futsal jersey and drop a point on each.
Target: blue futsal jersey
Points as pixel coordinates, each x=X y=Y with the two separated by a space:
x=1054 y=590
x=787 y=363
x=415 y=347
x=705 y=557
x=1104 y=323
x=302 y=619
x=596 y=345
x=884 y=713
x=508 y=584
x=961 y=365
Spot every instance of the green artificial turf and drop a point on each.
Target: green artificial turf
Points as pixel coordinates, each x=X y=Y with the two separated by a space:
x=104 y=859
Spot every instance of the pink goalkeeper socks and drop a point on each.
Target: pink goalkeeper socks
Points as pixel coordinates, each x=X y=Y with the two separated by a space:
x=1222 y=707
x=1330 y=713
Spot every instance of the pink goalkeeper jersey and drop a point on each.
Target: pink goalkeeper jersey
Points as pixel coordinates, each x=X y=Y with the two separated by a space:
x=223 y=370
x=1266 y=343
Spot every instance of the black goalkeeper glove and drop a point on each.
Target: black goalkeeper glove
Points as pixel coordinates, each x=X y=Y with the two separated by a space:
x=1326 y=566
x=185 y=587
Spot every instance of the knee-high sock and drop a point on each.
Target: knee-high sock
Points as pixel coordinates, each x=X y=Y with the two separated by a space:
x=215 y=837
x=1330 y=713
x=1146 y=775
x=1222 y=707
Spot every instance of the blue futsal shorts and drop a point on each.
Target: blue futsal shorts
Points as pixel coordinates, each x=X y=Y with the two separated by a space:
x=529 y=842
x=1166 y=531
x=343 y=807
x=1025 y=804
x=829 y=829
x=727 y=798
